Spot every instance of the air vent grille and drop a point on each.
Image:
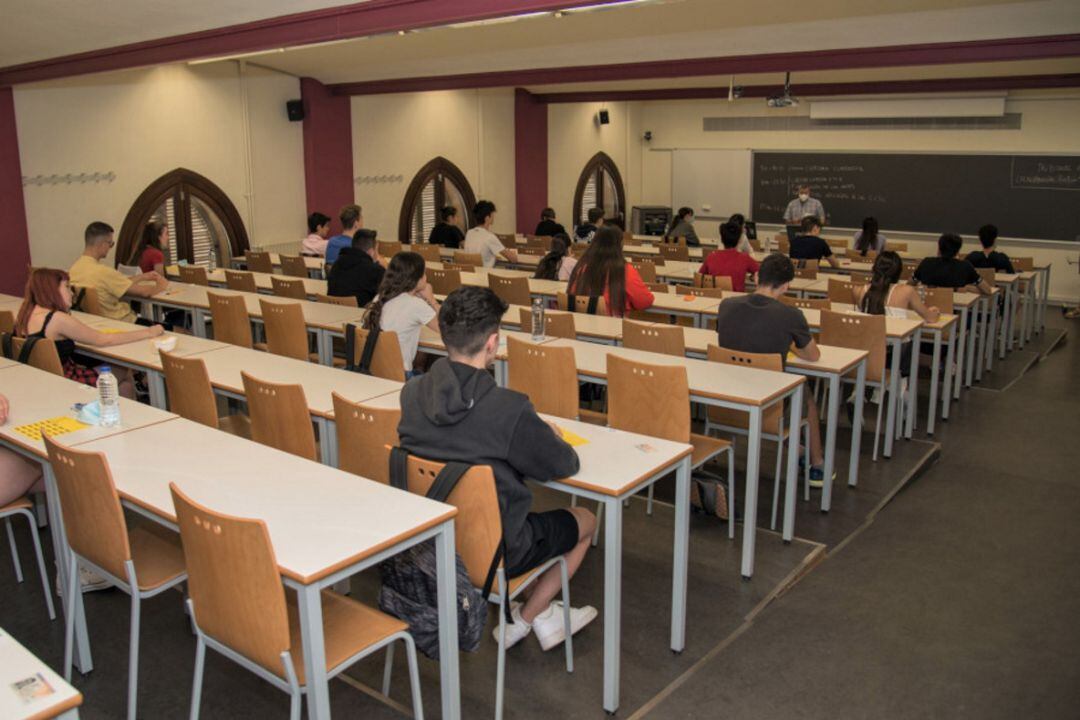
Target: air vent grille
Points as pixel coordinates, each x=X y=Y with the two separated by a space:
x=788 y=123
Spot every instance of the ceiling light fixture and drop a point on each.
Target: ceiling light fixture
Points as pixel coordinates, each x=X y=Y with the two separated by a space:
x=238 y=56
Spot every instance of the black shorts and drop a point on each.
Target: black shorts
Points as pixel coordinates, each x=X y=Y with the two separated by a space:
x=554 y=533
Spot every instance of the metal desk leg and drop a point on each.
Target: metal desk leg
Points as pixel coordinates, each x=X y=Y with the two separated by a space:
x=199 y=322
x=1010 y=317
x=969 y=352
x=1045 y=296
x=992 y=333
x=309 y=598
x=682 y=555
x=1029 y=309
x=946 y=394
x=327 y=442
x=82 y=658
x=446 y=571
x=156 y=385
x=913 y=385
x=934 y=372
x=961 y=346
x=856 y=429
x=613 y=517
x=894 y=390
x=832 y=419
x=753 y=459
x=793 y=465
x=501 y=372
x=985 y=338
x=1003 y=327
x=324 y=345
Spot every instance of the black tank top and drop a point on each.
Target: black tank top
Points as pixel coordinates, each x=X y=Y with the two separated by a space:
x=64 y=348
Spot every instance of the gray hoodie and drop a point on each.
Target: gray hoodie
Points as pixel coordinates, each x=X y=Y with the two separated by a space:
x=457 y=412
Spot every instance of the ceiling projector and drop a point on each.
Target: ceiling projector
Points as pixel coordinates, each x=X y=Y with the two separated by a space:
x=784 y=99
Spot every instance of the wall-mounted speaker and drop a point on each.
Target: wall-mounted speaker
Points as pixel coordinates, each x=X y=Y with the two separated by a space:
x=603 y=117
x=295 y=110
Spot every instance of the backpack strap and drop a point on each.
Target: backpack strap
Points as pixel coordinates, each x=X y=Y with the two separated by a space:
x=399 y=463
x=76 y=302
x=366 y=354
x=6 y=341
x=28 y=347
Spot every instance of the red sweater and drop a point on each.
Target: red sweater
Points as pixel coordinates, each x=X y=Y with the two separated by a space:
x=638 y=295
x=733 y=264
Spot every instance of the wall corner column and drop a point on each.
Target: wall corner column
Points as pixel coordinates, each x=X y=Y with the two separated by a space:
x=530 y=158
x=15 y=239
x=328 y=163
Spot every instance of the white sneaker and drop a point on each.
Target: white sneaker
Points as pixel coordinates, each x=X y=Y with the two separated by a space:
x=90 y=581
x=549 y=626
x=516 y=631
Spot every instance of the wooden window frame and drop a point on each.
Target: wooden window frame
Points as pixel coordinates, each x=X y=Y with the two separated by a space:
x=600 y=161
x=436 y=167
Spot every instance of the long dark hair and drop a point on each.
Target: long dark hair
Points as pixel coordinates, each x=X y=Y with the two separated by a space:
x=151 y=237
x=679 y=217
x=402 y=275
x=602 y=267
x=886 y=273
x=868 y=238
x=548 y=267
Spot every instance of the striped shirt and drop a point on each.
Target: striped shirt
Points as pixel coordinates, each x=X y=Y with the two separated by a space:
x=797 y=210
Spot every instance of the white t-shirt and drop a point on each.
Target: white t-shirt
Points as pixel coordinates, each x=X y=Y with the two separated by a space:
x=405 y=315
x=483 y=241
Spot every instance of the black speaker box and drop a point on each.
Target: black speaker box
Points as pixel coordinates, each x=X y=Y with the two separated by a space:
x=604 y=117
x=295 y=110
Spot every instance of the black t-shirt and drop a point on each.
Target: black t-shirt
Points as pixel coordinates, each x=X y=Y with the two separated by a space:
x=946 y=273
x=549 y=228
x=355 y=274
x=447 y=235
x=997 y=260
x=809 y=247
x=758 y=324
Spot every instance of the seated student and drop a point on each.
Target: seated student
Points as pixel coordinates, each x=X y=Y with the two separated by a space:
x=405 y=303
x=456 y=412
x=869 y=239
x=946 y=270
x=446 y=232
x=547 y=225
x=729 y=262
x=149 y=253
x=603 y=271
x=352 y=219
x=988 y=257
x=45 y=313
x=760 y=323
x=809 y=245
x=481 y=240
x=110 y=284
x=584 y=232
x=558 y=263
x=358 y=270
x=886 y=295
x=682 y=225
x=318 y=230
x=744 y=245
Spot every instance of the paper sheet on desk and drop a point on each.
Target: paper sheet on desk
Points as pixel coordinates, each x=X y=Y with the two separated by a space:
x=50 y=427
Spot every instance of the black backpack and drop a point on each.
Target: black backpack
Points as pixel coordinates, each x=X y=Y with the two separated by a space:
x=366 y=354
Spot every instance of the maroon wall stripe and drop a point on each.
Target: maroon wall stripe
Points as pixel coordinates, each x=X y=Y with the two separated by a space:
x=886 y=87
x=530 y=159
x=1008 y=49
x=328 y=166
x=14 y=240
x=337 y=23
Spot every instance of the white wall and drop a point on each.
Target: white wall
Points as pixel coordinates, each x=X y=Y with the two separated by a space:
x=141 y=124
x=398 y=134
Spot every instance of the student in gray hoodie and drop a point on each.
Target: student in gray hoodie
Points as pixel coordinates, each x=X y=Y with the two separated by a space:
x=456 y=412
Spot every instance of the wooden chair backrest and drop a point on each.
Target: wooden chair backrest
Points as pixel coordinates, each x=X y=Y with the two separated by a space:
x=1023 y=264
x=668 y=340
x=867 y=259
x=364 y=436
x=508 y=240
x=478 y=523
x=90 y=507
x=234 y=582
x=547 y=375
x=90 y=303
x=658 y=287
x=987 y=274
x=539 y=242
x=678 y=241
x=907 y=272
x=389 y=248
x=466 y=258
x=286 y=333
x=814 y=303
x=7 y=321
x=837 y=244
x=860 y=332
x=896 y=246
x=230 y=316
x=293 y=266
x=673 y=251
x=581 y=304
x=444 y=282
x=841 y=291
x=194 y=274
x=941 y=298
x=709 y=292
x=259 y=262
x=292 y=288
x=240 y=280
x=280 y=417
x=702 y=280
x=43 y=356
x=770 y=419
x=386 y=361
x=650 y=400
x=190 y=394
x=755 y=244
x=512 y=290
x=646 y=269
x=430 y=253
x=806 y=269
x=343 y=300
x=859 y=277
x=459 y=267
x=783 y=244
x=556 y=324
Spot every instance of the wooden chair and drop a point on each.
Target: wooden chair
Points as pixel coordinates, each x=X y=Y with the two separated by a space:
x=194 y=275
x=260 y=262
x=658 y=287
x=722 y=282
x=838 y=246
x=907 y=272
x=191 y=395
x=7 y=322
x=737 y=422
x=24 y=507
x=709 y=292
x=293 y=266
x=581 y=304
x=240 y=608
x=941 y=298
x=389 y=248
x=280 y=417
x=556 y=324
x=646 y=269
x=783 y=244
x=342 y=300
x=1023 y=264
x=667 y=340
x=896 y=246
x=861 y=332
x=430 y=253
x=512 y=290
x=859 y=277
x=806 y=269
x=678 y=241
x=755 y=244
x=291 y=288
x=444 y=282
x=509 y=240
x=459 y=267
x=43 y=355
x=806 y=303
x=841 y=291
x=286 y=331
x=87 y=300
x=230 y=319
x=241 y=281
x=479 y=534
x=386 y=361
x=677 y=252
x=143 y=562
x=548 y=375
x=654 y=400
x=364 y=438
x=465 y=258
x=867 y=259
x=539 y=242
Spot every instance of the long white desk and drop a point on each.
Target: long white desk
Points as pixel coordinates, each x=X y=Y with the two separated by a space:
x=18 y=665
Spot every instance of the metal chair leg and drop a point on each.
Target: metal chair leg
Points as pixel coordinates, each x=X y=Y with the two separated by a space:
x=388 y=669
x=648 y=501
x=41 y=565
x=877 y=428
x=133 y=652
x=500 y=672
x=806 y=462
x=414 y=679
x=196 y=685
x=731 y=492
x=599 y=521
x=69 y=614
x=14 y=550
x=565 y=575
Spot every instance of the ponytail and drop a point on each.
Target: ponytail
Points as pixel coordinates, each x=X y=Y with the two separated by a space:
x=868 y=237
x=548 y=267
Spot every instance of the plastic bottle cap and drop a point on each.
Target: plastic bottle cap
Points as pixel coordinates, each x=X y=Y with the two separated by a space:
x=104 y=369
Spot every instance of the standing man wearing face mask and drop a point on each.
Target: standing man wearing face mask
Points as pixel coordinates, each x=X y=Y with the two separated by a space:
x=801 y=207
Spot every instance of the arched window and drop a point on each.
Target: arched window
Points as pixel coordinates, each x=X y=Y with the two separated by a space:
x=438 y=184
x=204 y=226
x=600 y=185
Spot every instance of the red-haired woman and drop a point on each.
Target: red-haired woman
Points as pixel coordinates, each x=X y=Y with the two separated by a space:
x=45 y=312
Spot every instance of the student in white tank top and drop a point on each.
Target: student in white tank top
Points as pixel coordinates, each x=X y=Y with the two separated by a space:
x=886 y=296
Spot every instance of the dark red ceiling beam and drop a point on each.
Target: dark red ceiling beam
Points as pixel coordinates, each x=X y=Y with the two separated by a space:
x=879 y=87
x=1002 y=50
x=337 y=23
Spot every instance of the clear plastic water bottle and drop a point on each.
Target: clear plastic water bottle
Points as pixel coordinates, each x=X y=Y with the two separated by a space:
x=537 y=319
x=108 y=397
